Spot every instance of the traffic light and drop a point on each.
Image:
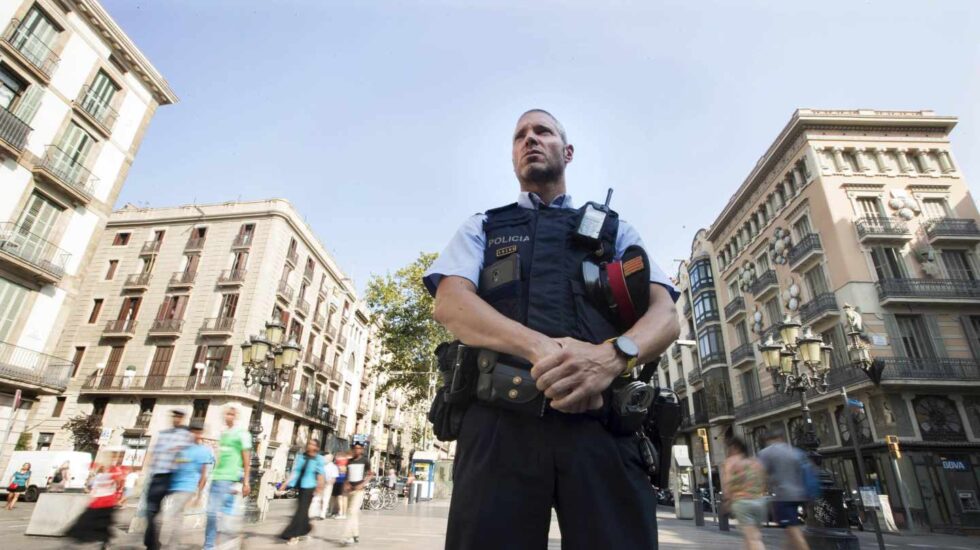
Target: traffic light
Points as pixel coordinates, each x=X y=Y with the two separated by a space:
x=703 y=434
x=892 y=441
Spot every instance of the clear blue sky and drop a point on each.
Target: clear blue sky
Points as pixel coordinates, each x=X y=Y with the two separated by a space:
x=387 y=123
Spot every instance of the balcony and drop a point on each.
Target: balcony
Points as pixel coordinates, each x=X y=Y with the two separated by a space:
x=31 y=255
x=119 y=328
x=22 y=367
x=675 y=352
x=838 y=378
x=30 y=50
x=303 y=308
x=712 y=359
x=195 y=244
x=764 y=285
x=232 y=277
x=336 y=377
x=218 y=326
x=735 y=309
x=362 y=408
x=695 y=377
x=96 y=110
x=65 y=175
x=333 y=421
x=137 y=281
x=901 y=369
x=331 y=332
x=166 y=327
x=182 y=279
x=13 y=133
x=150 y=247
x=952 y=230
x=143 y=421
x=342 y=341
x=376 y=417
x=242 y=240
x=742 y=353
x=292 y=257
x=680 y=385
x=308 y=275
x=804 y=253
x=819 y=308
x=893 y=291
x=318 y=321
x=284 y=292
x=724 y=412
x=881 y=229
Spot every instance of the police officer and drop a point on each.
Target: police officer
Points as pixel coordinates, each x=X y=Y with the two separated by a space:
x=512 y=468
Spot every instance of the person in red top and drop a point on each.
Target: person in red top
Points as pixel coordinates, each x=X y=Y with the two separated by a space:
x=106 y=492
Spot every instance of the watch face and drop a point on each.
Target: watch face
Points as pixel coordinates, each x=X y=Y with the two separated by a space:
x=627 y=346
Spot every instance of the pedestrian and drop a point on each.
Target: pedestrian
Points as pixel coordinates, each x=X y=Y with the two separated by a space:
x=188 y=482
x=59 y=478
x=339 y=497
x=106 y=494
x=743 y=481
x=321 y=508
x=785 y=474
x=232 y=467
x=18 y=484
x=163 y=462
x=308 y=478
x=537 y=434
x=358 y=474
x=392 y=478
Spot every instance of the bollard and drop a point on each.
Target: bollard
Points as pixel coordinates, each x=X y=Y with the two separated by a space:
x=698 y=511
x=723 y=521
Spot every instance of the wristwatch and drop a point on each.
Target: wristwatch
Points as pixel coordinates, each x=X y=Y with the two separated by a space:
x=627 y=348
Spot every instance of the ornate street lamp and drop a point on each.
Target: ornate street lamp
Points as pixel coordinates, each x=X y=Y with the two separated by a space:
x=268 y=362
x=800 y=362
x=858 y=351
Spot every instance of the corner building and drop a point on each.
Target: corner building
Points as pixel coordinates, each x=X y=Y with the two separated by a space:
x=866 y=208
x=170 y=295
x=76 y=98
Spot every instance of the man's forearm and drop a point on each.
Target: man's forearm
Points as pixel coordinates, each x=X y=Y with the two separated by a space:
x=477 y=323
x=247 y=464
x=658 y=328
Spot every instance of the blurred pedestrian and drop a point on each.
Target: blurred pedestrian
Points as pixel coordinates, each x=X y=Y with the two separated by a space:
x=59 y=478
x=392 y=478
x=321 y=507
x=187 y=483
x=232 y=467
x=358 y=474
x=743 y=481
x=785 y=473
x=163 y=462
x=105 y=494
x=18 y=484
x=339 y=497
x=307 y=477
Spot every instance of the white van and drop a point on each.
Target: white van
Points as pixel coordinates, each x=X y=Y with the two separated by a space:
x=43 y=466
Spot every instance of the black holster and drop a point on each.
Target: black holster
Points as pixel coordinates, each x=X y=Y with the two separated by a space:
x=506 y=382
x=453 y=397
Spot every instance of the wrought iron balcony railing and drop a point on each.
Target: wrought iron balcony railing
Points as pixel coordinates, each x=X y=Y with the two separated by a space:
x=303 y=308
x=713 y=358
x=806 y=245
x=27 y=366
x=292 y=257
x=680 y=385
x=735 y=306
x=151 y=247
x=13 y=130
x=923 y=289
x=195 y=243
x=232 y=276
x=183 y=278
x=763 y=282
x=285 y=291
x=839 y=377
x=32 y=47
x=243 y=240
x=37 y=251
x=694 y=377
x=166 y=326
x=823 y=303
x=218 y=324
x=743 y=353
x=97 y=108
x=937 y=368
x=137 y=280
x=68 y=170
x=881 y=226
x=952 y=227
x=318 y=320
x=120 y=326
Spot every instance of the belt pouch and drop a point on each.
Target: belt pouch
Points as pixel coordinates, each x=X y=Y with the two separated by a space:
x=506 y=386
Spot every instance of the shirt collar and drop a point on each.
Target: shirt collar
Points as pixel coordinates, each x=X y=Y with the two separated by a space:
x=532 y=201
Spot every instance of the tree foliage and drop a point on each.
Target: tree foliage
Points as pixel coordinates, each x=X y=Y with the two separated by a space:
x=85 y=430
x=409 y=334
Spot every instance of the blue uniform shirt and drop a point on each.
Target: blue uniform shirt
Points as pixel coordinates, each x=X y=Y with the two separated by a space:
x=188 y=472
x=309 y=476
x=463 y=257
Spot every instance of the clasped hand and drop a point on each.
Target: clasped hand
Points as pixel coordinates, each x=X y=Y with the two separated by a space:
x=573 y=373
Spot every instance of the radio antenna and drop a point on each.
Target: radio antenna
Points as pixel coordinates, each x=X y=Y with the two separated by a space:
x=608 y=197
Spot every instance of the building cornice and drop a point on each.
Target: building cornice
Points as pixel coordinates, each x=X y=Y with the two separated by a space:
x=123 y=48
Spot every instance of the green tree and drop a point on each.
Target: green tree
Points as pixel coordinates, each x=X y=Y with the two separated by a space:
x=85 y=431
x=409 y=334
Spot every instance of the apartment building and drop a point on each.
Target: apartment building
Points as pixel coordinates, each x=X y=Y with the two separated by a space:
x=76 y=97
x=865 y=208
x=167 y=300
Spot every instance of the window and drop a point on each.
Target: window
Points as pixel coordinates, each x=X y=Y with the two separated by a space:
x=887 y=262
x=98 y=98
x=130 y=308
x=12 y=298
x=245 y=234
x=296 y=331
x=214 y=359
x=835 y=337
x=59 y=406
x=706 y=307
x=240 y=260
x=190 y=262
x=816 y=281
x=741 y=334
x=111 y=272
x=35 y=36
x=229 y=303
x=172 y=308
x=96 y=309
x=275 y=426
x=762 y=264
x=74 y=148
x=711 y=345
x=292 y=247
x=870 y=207
x=773 y=312
x=158 y=235
x=159 y=366
x=77 y=360
x=147 y=263
x=959 y=265
x=749 y=381
x=734 y=291
x=121 y=239
x=34 y=228
x=935 y=208
x=347 y=389
x=11 y=87
x=802 y=227
x=44 y=440
x=98 y=407
x=199 y=232
x=700 y=273
x=200 y=410
x=914 y=337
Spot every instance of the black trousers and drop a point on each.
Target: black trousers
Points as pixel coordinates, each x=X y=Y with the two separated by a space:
x=511 y=469
x=300 y=526
x=158 y=490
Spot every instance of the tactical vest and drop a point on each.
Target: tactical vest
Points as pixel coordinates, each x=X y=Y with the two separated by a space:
x=549 y=296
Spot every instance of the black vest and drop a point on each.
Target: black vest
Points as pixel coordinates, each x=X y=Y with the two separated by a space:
x=550 y=295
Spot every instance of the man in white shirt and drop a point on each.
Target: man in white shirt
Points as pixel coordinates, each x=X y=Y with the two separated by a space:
x=330 y=473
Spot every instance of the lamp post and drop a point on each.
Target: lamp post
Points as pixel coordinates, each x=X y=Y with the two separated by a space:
x=268 y=362
x=800 y=362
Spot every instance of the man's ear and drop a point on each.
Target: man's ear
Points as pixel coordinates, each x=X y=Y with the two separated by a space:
x=569 y=153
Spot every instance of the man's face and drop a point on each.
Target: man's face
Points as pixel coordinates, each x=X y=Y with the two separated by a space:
x=230 y=416
x=358 y=451
x=178 y=420
x=312 y=448
x=539 y=154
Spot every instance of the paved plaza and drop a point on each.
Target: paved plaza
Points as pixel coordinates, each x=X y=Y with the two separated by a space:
x=423 y=526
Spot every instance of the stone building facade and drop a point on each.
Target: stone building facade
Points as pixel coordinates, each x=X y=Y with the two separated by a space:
x=76 y=98
x=866 y=208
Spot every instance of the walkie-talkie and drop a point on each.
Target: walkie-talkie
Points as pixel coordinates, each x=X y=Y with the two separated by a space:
x=590 y=226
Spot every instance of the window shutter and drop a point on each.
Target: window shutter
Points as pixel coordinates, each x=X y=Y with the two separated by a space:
x=225 y=356
x=971 y=335
x=29 y=103
x=938 y=345
x=894 y=335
